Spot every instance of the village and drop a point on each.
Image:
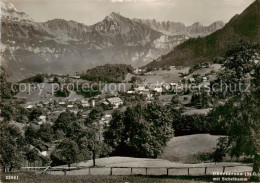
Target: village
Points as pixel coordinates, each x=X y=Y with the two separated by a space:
x=170 y=87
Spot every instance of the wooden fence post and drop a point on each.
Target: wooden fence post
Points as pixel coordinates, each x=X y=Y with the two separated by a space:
x=146 y=169
x=188 y=171
x=224 y=169
x=111 y=173
x=205 y=170
x=167 y=171
x=131 y=171
x=89 y=171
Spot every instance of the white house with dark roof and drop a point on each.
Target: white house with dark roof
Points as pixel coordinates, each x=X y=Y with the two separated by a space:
x=116 y=101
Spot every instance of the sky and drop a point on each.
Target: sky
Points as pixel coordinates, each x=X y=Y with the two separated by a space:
x=90 y=12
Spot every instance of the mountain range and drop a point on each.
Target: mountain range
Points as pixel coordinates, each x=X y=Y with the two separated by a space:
x=61 y=46
x=245 y=26
x=178 y=28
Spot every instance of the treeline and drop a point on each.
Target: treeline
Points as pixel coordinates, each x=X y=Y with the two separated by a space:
x=6 y=91
x=239 y=113
x=39 y=78
x=108 y=73
x=72 y=138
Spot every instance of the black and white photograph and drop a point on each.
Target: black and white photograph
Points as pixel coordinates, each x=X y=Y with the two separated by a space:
x=129 y=91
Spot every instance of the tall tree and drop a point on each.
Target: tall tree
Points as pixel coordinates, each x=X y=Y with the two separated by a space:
x=66 y=152
x=243 y=130
x=67 y=122
x=142 y=131
x=88 y=140
x=12 y=148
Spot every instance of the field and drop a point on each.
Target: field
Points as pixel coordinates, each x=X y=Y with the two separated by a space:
x=184 y=148
x=160 y=76
x=43 y=92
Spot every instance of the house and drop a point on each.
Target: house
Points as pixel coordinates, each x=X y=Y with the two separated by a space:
x=44 y=153
x=108 y=116
x=59 y=109
x=137 y=71
x=205 y=79
x=46 y=103
x=105 y=103
x=141 y=89
x=93 y=103
x=192 y=80
x=75 y=77
x=70 y=106
x=130 y=92
x=116 y=101
x=30 y=107
x=167 y=86
x=148 y=74
x=174 y=84
x=62 y=103
x=158 y=89
x=85 y=103
x=72 y=101
x=42 y=119
x=114 y=94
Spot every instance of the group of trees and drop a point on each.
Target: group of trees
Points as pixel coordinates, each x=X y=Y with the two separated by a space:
x=78 y=141
x=201 y=100
x=12 y=150
x=240 y=114
x=140 y=131
x=62 y=91
x=17 y=147
x=89 y=92
x=5 y=87
x=108 y=73
x=14 y=112
x=39 y=78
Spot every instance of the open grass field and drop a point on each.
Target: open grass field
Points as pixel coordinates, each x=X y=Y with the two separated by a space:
x=184 y=148
x=162 y=76
x=43 y=92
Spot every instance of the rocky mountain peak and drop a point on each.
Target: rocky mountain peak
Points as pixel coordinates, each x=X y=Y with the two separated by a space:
x=197 y=24
x=8 y=7
x=245 y=26
x=9 y=12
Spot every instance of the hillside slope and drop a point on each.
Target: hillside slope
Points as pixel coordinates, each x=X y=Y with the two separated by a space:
x=186 y=149
x=245 y=26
